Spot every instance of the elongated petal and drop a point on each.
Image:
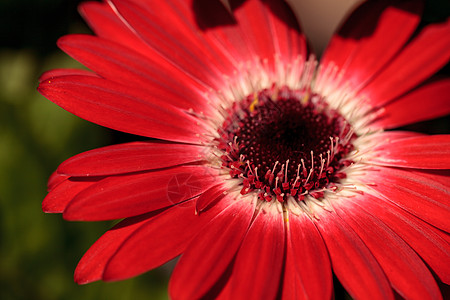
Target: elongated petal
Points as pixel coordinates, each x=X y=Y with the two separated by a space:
x=445 y=236
x=257 y=29
x=372 y=35
x=107 y=24
x=54 y=180
x=129 y=195
x=427 y=102
x=117 y=107
x=421 y=196
x=425 y=239
x=130 y=157
x=92 y=264
x=207 y=198
x=63 y=72
x=123 y=65
x=222 y=29
x=384 y=137
x=420 y=59
x=440 y=176
x=270 y=28
x=424 y=152
x=157 y=241
x=177 y=17
x=352 y=262
x=293 y=288
x=259 y=262
x=210 y=253
x=288 y=38
x=181 y=48
x=186 y=30
x=191 y=23
x=307 y=272
x=60 y=196
x=404 y=269
x=392 y=136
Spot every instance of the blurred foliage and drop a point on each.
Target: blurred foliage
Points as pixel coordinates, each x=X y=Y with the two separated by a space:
x=40 y=252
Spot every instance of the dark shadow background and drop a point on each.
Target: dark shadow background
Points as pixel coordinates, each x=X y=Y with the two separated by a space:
x=39 y=252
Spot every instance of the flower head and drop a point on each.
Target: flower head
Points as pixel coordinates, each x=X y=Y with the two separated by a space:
x=267 y=171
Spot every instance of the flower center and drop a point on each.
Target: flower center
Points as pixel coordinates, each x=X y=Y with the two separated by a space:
x=283 y=142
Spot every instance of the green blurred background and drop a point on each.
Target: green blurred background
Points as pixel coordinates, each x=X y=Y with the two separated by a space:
x=39 y=252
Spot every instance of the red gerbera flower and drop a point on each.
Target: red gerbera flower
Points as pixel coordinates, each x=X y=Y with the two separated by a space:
x=267 y=171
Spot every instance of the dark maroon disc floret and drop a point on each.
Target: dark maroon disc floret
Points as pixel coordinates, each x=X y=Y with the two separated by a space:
x=285 y=142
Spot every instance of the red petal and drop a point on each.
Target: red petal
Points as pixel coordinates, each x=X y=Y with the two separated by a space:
x=445 y=236
x=257 y=29
x=424 y=152
x=209 y=254
x=130 y=195
x=130 y=157
x=440 y=176
x=209 y=196
x=158 y=240
x=420 y=59
x=257 y=269
x=270 y=28
x=182 y=47
x=126 y=67
x=392 y=136
x=352 y=262
x=54 y=180
x=425 y=103
x=222 y=29
x=287 y=36
x=426 y=240
x=108 y=25
x=177 y=17
x=118 y=107
x=49 y=75
x=92 y=264
x=372 y=35
x=189 y=30
x=404 y=269
x=421 y=196
x=308 y=269
x=59 y=197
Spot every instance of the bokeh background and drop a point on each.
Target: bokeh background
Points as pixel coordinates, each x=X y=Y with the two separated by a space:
x=38 y=251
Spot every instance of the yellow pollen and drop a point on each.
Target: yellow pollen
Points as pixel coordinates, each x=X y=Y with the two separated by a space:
x=254 y=103
x=305 y=98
